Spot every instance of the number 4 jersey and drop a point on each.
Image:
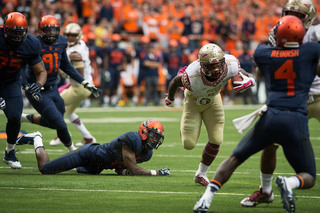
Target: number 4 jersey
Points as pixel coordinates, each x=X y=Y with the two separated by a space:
x=290 y=75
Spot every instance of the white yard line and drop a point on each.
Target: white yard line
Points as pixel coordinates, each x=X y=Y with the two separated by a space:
x=133 y=191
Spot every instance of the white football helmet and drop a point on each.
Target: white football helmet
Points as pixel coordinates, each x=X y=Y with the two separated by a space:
x=212 y=60
x=73 y=29
x=303 y=9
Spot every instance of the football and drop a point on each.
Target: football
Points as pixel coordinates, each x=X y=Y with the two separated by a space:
x=236 y=78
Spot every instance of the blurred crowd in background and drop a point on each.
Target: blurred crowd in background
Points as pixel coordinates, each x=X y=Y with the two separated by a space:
x=123 y=34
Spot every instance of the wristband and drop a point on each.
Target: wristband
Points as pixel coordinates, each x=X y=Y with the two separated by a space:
x=153 y=172
x=84 y=82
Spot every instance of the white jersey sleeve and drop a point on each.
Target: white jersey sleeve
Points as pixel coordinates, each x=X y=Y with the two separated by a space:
x=84 y=51
x=313 y=34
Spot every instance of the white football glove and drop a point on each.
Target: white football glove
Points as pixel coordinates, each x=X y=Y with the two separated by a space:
x=246 y=83
x=168 y=102
x=272 y=38
x=2 y=104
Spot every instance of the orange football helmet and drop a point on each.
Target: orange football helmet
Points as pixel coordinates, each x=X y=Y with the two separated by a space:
x=15 y=29
x=152 y=132
x=49 y=29
x=289 y=31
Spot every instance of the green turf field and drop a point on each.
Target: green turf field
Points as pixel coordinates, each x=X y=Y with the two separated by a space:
x=26 y=190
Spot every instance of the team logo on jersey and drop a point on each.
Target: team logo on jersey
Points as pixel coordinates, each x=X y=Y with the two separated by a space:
x=204 y=101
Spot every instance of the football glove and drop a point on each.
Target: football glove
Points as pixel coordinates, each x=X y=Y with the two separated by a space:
x=168 y=102
x=246 y=83
x=94 y=90
x=164 y=171
x=272 y=38
x=2 y=104
x=34 y=91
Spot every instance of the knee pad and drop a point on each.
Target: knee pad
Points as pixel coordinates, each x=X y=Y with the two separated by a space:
x=188 y=144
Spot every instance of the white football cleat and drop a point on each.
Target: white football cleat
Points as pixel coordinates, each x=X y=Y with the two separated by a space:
x=56 y=141
x=201 y=206
x=204 y=202
x=10 y=158
x=287 y=196
x=27 y=138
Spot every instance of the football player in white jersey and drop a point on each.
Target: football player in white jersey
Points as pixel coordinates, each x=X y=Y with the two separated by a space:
x=306 y=12
x=78 y=54
x=203 y=80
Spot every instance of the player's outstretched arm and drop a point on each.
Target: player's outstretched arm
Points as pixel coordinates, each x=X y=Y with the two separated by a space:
x=173 y=86
x=129 y=159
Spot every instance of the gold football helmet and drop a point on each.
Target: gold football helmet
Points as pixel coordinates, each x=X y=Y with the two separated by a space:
x=303 y=9
x=211 y=58
x=73 y=30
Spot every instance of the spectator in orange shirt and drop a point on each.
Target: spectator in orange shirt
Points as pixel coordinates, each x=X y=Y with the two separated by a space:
x=89 y=8
x=130 y=18
x=90 y=26
x=175 y=28
x=150 y=25
x=163 y=26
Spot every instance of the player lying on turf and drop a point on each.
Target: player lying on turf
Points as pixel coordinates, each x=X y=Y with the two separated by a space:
x=122 y=154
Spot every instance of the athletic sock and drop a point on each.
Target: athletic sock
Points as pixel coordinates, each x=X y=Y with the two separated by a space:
x=9 y=147
x=37 y=142
x=76 y=122
x=71 y=148
x=202 y=169
x=26 y=118
x=294 y=182
x=266 y=182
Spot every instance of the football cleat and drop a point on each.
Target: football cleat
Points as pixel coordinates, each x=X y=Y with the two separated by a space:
x=202 y=180
x=56 y=141
x=27 y=138
x=256 y=198
x=201 y=206
x=287 y=196
x=10 y=158
x=86 y=141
